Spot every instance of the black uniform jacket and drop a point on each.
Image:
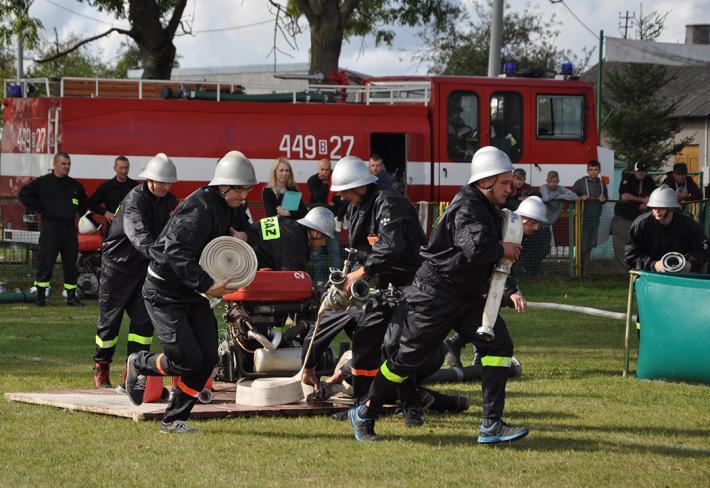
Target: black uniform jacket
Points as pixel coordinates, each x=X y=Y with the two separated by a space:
x=288 y=252
x=464 y=245
x=111 y=193
x=139 y=221
x=175 y=256
x=649 y=241
x=391 y=223
x=57 y=199
x=629 y=210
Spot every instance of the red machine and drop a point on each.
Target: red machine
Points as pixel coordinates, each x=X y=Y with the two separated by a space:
x=89 y=264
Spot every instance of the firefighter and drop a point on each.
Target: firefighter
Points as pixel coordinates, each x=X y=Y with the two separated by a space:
x=176 y=288
x=459 y=258
x=284 y=244
x=58 y=198
x=124 y=260
x=109 y=195
x=385 y=230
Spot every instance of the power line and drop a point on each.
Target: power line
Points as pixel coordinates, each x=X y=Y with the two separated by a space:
x=82 y=15
x=596 y=36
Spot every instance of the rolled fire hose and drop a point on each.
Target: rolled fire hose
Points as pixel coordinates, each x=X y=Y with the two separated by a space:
x=513 y=233
x=673 y=262
x=225 y=257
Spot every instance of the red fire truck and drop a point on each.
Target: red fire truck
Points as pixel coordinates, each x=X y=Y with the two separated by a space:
x=426 y=128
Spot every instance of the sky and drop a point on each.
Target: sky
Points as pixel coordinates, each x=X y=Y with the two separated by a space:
x=246 y=31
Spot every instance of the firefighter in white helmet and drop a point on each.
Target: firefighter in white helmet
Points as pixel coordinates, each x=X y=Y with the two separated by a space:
x=175 y=291
x=447 y=292
x=137 y=223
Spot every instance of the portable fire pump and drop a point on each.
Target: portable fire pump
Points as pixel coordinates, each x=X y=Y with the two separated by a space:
x=89 y=264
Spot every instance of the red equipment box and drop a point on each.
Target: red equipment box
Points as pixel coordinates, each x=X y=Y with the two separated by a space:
x=274 y=286
x=90 y=242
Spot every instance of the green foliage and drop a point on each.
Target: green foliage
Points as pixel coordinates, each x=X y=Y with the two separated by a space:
x=529 y=40
x=82 y=62
x=15 y=18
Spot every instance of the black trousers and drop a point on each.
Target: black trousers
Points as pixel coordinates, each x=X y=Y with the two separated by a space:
x=330 y=326
x=187 y=329
x=57 y=238
x=433 y=312
x=120 y=292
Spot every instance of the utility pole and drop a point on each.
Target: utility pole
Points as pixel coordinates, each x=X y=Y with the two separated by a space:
x=600 y=80
x=627 y=20
x=496 y=40
x=20 y=53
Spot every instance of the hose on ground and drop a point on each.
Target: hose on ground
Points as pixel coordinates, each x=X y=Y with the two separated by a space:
x=229 y=257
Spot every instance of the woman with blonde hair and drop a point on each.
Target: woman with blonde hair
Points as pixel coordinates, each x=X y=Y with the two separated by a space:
x=280 y=181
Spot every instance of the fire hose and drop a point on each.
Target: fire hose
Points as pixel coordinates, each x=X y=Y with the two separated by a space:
x=229 y=257
x=673 y=262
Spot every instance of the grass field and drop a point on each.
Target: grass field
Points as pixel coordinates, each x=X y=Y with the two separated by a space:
x=588 y=425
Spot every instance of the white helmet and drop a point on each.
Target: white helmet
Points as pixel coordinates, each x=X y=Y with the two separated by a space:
x=160 y=168
x=320 y=219
x=87 y=224
x=533 y=208
x=234 y=169
x=663 y=197
x=489 y=161
x=351 y=172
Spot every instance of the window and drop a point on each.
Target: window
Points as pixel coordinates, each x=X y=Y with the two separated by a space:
x=507 y=124
x=560 y=117
x=462 y=125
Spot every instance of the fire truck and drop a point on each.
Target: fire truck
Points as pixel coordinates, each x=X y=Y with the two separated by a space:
x=426 y=128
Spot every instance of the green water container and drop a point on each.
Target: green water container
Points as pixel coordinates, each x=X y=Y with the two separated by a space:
x=675 y=326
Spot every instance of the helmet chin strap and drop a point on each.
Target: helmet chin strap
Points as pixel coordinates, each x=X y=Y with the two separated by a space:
x=489 y=188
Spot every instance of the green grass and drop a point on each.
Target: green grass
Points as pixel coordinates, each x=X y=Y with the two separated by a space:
x=588 y=425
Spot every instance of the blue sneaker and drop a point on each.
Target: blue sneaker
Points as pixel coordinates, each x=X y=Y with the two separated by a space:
x=363 y=426
x=499 y=431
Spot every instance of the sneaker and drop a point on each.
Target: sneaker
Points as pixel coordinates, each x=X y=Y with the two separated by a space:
x=101 y=375
x=413 y=416
x=363 y=426
x=452 y=358
x=499 y=431
x=135 y=382
x=177 y=427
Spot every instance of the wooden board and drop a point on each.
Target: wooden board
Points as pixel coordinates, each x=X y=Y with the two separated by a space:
x=108 y=402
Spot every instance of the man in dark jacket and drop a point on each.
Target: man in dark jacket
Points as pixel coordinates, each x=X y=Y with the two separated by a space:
x=124 y=262
x=459 y=258
x=385 y=230
x=58 y=198
x=685 y=187
x=109 y=195
x=175 y=291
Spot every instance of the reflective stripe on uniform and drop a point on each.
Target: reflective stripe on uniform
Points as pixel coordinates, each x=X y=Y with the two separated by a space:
x=75 y=201
x=393 y=377
x=146 y=341
x=499 y=361
x=158 y=366
x=270 y=228
x=43 y=284
x=364 y=372
x=67 y=286
x=638 y=325
x=106 y=344
x=186 y=389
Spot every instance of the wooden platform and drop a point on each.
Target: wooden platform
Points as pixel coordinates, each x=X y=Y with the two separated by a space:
x=108 y=402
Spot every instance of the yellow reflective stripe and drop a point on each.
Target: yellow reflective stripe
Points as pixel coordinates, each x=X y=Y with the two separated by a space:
x=67 y=286
x=44 y=284
x=270 y=228
x=146 y=341
x=393 y=377
x=499 y=361
x=638 y=325
x=106 y=344
x=75 y=201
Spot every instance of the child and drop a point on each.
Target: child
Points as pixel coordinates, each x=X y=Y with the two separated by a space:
x=594 y=193
x=554 y=195
x=521 y=190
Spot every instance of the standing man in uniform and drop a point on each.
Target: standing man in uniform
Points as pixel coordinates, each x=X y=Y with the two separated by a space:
x=175 y=290
x=58 y=198
x=385 y=229
x=124 y=262
x=109 y=195
x=448 y=290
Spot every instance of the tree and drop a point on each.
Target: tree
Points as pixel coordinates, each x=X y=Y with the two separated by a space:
x=80 y=62
x=640 y=124
x=528 y=41
x=332 y=21
x=153 y=27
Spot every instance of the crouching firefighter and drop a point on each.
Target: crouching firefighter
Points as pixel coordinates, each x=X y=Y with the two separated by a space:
x=385 y=230
x=176 y=291
x=124 y=260
x=459 y=259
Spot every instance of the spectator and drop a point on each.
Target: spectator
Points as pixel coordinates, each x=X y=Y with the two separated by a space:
x=109 y=195
x=554 y=196
x=593 y=192
x=634 y=190
x=280 y=181
x=521 y=190
x=58 y=198
x=377 y=168
x=684 y=185
x=319 y=188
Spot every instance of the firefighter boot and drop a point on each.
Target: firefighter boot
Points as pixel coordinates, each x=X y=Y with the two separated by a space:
x=72 y=299
x=40 y=296
x=135 y=382
x=101 y=378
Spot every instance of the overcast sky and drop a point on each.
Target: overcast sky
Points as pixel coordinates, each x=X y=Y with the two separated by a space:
x=249 y=37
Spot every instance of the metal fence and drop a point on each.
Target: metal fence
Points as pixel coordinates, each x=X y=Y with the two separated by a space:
x=553 y=251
